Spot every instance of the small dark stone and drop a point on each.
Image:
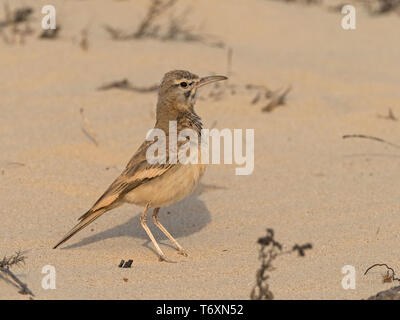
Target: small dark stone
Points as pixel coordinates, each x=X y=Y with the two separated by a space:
x=128 y=264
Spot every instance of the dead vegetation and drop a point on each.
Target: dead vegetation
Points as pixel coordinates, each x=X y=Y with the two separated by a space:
x=278 y=98
x=382 y=6
x=50 y=33
x=374 y=7
x=270 y=249
x=389 y=116
x=388 y=277
x=362 y=136
x=84 y=40
x=126 y=85
x=87 y=128
x=9 y=277
x=11 y=165
x=175 y=28
x=15 y=26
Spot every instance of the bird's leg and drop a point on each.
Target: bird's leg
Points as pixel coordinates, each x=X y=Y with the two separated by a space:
x=146 y=228
x=165 y=231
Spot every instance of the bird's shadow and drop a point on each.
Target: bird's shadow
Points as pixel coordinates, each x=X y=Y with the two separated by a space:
x=180 y=219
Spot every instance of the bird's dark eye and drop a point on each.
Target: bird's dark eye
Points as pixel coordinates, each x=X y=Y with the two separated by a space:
x=183 y=84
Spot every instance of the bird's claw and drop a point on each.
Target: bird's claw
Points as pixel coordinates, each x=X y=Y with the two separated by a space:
x=182 y=252
x=164 y=258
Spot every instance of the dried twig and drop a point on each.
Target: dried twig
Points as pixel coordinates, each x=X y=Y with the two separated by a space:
x=262 y=92
x=362 y=136
x=16 y=22
x=126 y=85
x=157 y=7
x=277 y=99
x=87 y=129
x=11 y=165
x=14 y=260
x=381 y=6
x=389 y=116
x=374 y=7
x=116 y=34
x=392 y=277
x=19 y=15
x=84 y=42
x=50 y=33
x=229 y=62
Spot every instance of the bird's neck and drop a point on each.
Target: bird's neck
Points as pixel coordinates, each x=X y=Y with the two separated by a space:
x=189 y=120
x=185 y=118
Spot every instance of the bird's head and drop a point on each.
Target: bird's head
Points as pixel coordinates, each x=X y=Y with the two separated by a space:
x=178 y=89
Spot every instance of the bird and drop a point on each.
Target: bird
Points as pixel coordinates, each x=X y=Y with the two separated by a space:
x=155 y=185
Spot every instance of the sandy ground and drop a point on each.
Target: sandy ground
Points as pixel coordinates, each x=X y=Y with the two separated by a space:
x=309 y=184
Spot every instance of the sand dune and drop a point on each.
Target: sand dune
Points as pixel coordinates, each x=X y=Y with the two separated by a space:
x=309 y=184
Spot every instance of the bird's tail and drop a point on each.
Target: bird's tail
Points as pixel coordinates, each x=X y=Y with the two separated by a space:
x=86 y=219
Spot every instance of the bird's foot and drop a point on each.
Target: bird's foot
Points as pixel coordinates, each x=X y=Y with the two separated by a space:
x=182 y=252
x=164 y=258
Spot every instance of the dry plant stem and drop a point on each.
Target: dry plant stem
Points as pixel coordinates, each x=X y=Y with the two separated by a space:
x=387 y=267
x=362 y=136
x=50 y=33
x=156 y=8
x=176 y=30
x=19 y=15
x=14 y=260
x=374 y=7
x=5 y=264
x=87 y=129
x=390 y=116
x=269 y=251
x=229 y=62
x=84 y=43
x=381 y=6
x=277 y=100
x=16 y=23
x=126 y=85
x=116 y=34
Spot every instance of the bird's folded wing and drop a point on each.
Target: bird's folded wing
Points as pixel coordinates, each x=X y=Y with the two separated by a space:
x=127 y=181
x=137 y=172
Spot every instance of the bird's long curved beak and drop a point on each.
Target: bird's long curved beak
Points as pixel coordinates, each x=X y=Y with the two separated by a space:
x=209 y=79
